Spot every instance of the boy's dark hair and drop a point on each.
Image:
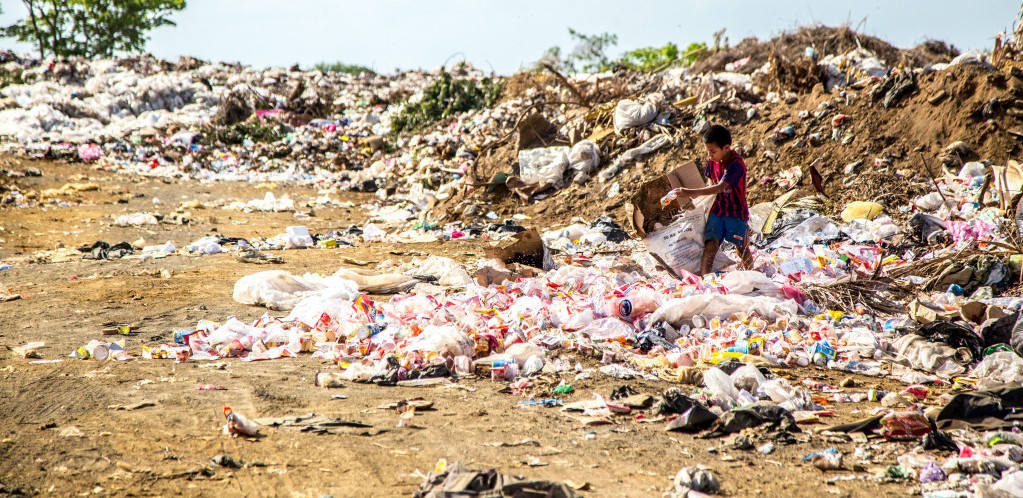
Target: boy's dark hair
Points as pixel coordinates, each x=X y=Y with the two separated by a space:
x=717 y=135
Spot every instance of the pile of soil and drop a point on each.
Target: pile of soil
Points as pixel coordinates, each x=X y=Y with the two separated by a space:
x=824 y=40
x=968 y=103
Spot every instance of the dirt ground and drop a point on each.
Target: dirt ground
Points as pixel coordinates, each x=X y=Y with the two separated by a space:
x=144 y=429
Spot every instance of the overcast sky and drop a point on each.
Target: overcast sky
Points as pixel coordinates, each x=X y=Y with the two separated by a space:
x=504 y=36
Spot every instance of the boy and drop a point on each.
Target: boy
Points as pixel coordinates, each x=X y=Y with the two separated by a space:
x=729 y=214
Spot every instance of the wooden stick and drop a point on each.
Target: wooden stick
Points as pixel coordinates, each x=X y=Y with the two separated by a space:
x=935 y=182
x=575 y=91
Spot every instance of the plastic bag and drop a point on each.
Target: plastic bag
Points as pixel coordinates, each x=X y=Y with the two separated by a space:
x=606 y=329
x=1003 y=367
x=905 y=423
x=136 y=219
x=543 y=166
x=857 y=210
x=444 y=339
x=751 y=283
x=584 y=157
x=446 y=270
x=749 y=378
x=936 y=358
x=280 y=290
x=645 y=148
x=630 y=113
x=721 y=306
x=720 y=384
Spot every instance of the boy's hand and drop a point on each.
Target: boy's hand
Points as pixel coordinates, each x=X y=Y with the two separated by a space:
x=672 y=195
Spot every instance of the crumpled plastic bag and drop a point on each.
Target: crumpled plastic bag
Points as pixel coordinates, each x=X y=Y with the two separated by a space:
x=630 y=113
x=932 y=357
x=606 y=329
x=647 y=147
x=446 y=270
x=751 y=283
x=721 y=306
x=543 y=166
x=443 y=339
x=864 y=210
x=584 y=157
x=1003 y=367
x=280 y=290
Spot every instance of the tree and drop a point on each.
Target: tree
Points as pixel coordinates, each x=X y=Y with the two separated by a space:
x=91 y=28
x=588 y=55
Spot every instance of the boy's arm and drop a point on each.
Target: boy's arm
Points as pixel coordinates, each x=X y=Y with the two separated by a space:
x=718 y=187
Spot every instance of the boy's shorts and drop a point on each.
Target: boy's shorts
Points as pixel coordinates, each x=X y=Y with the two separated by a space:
x=724 y=228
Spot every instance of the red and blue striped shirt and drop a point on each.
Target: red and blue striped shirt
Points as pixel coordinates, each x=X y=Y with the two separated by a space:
x=732 y=201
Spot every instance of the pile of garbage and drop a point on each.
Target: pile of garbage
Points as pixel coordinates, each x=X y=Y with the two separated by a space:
x=918 y=284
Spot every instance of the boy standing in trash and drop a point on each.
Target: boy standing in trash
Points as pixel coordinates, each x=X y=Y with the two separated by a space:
x=729 y=215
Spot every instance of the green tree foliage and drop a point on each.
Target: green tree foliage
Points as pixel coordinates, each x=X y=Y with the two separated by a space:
x=342 y=68
x=91 y=28
x=649 y=58
x=589 y=54
x=443 y=99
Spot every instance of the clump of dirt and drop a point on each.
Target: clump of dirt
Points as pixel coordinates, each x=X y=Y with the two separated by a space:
x=825 y=40
x=880 y=162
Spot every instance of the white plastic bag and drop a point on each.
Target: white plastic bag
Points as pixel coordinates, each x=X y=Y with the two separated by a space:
x=751 y=283
x=1003 y=367
x=680 y=244
x=280 y=290
x=721 y=306
x=647 y=147
x=448 y=272
x=444 y=339
x=932 y=357
x=584 y=157
x=630 y=113
x=607 y=329
x=748 y=377
x=720 y=384
x=543 y=166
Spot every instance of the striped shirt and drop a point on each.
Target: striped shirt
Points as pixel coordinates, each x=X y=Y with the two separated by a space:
x=731 y=202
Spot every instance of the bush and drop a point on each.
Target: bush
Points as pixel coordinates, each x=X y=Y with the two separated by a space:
x=445 y=98
x=237 y=133
x=342 y=68
x=650 y=58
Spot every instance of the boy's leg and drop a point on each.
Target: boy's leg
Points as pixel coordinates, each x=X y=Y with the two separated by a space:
x=710 y=251
x=737 y=232
x=714 y=232
x=745 y=257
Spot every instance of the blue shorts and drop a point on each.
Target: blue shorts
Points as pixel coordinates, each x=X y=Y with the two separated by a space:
x=724 y=228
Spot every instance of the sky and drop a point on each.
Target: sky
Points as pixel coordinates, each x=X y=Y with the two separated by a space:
x=503 y=36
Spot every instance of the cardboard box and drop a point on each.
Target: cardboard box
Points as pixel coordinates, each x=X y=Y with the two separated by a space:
x=646 y=202
x=674 y=235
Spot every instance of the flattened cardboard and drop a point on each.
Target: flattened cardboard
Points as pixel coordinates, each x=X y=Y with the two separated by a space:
x=646 y=201
x=524 y=247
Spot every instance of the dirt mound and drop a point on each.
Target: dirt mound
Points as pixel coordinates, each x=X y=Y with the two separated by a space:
x=825 y=40
x=879 y=161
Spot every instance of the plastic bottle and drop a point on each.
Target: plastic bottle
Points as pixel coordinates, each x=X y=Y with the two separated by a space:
x=239 y=424
x=632 y=306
